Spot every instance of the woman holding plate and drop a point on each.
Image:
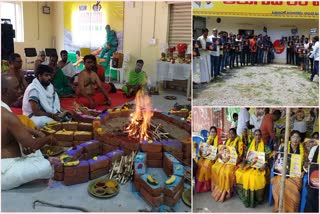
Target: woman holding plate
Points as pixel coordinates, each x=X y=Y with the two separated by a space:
x=223 y=170
x=251 y=177
x=203 y=175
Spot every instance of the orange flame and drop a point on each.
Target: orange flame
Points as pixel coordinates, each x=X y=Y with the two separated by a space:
x=141 y=117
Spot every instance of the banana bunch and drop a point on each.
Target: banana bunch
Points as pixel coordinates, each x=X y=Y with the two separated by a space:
x=51 y=123
x=171 y=180
x=151 y=180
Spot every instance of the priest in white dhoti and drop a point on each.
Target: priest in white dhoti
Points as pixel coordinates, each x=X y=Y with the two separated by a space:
x=21 y=159
x=40 y=101
x=205 y=64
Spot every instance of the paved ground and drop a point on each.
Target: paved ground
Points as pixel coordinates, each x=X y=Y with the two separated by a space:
x=268 y=85
x=203 y=202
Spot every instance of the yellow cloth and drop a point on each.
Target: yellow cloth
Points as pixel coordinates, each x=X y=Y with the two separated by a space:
x=215 y=141
x=223 y=175
x=238 y=144
x=292 y=190
x=249 y=177
x=25 y=120
x=301 y=150
x=204 y=165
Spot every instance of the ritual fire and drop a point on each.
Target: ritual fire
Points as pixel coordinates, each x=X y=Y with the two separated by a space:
x=140 y=126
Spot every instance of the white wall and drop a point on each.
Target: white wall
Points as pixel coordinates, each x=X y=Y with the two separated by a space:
x=276 y=27
x=38 y=29
x=139 y=23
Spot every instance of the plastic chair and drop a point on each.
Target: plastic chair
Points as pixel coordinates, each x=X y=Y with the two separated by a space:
x=303 y=194
x=198 y=140
x=29 y=52
x=51 y=52
x=85 y=51
x=205 y=134
x=120 y=71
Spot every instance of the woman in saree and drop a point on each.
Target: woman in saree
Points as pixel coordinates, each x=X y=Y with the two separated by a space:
x=293 y=185
x=251 y=181
x=222 y=173
x=60 y=82
x=203 y=175
x=246 y=138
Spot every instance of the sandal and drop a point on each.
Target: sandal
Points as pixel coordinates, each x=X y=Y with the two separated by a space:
x=170 y=97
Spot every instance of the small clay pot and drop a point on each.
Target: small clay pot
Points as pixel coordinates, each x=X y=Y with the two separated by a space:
x=100 y=191
x=100 y=185
x=111 y=190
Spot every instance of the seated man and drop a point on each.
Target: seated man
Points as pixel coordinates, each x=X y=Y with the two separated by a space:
x=40 y=101
x=40 y=60
x=15 y=65
x=90 y=90
x=60 y=82
x=66 y=66
x=100 y=70
x=137 y=79
x=18 y=168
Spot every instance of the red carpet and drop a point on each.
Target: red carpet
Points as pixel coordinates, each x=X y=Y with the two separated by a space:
x=67 y=103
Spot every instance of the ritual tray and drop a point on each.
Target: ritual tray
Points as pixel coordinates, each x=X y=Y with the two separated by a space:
x=92 y=188
x=51 y=150
x=186 y=197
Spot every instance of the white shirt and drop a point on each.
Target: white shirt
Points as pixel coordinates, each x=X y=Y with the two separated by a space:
x=244 y=117
x=256 y=121
x=203 y=42
x=315 y=52
x=300 y=126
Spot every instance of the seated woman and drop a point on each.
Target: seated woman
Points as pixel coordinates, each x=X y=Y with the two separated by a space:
x=246 y=138
x=90 y=91
x=293 y=184
x=203 y=175
x=312 y=204
x=251 y=181
x=222 y=174
x=137 y=79
x=60 y=82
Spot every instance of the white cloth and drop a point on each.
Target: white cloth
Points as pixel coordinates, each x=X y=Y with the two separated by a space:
x=244 y=117
x=68 y=69
x=312 y=151
x=205 y=65
x=255 y=121
x=169 y=72
x=315 y=52
x=48 y=100
x=205 y=61
x=300 y=126
x=4 y=105
x=17 y=171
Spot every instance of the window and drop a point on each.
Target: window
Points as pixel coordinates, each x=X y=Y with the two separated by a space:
x=14 y=12
x=180 y=23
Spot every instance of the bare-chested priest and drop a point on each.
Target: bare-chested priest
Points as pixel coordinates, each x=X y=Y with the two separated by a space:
x=21 y=159
x=90 y=91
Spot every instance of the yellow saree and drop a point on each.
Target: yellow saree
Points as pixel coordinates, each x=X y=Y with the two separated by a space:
x=203 y=175
x=223 y=175
x=251 y=181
